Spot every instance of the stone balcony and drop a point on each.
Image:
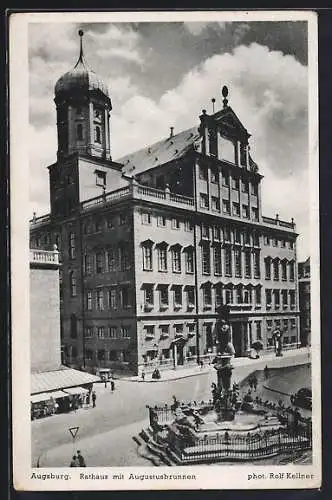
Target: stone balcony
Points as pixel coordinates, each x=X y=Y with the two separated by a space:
x=42 y=258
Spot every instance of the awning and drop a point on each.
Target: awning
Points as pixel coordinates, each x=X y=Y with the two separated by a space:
x=60 y=379
x=58 y=394
x=76 y=390
x=37 y=398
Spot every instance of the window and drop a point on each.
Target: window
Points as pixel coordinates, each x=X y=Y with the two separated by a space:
x=113 y=332
x=255 y=237
x=163 y=295
x=254 y=189
x=113 y=355
x=258 y=330
x=72 y=284
x=235 y=182
x=216 y=233
x=148 y=295
x=101 y=354
x=247 y=263
x=217 y=260
x=161 y=221
x=203 y=172
x=162 y=258
x=245 y=211
x=100 y=262
x=269 y=324
x=112 y=298
x=149 y=331
x=284 y=295
x=215 y=202
x=88 y=332
x=236 y=209
x=283 y=243
x=276 y=294
x=226 y=207
x=237 y=262
x=284 y=270
x=177 y=296
x=227 y=234
x=239 y=295
x=266 y=240
x=207 y=333
x=111 y=259
x=124 y=260
x=243 y=154
x=291 y=245
x=258 y=295
x=257 y=267
x=88 y=354
x=247 y=296
x=228 y=261
x=245 y=187
x=275 y=242
x=254 y=213
x=100 y=178
x=206 y=260
x=237 y=236
x=100 y=300
x=190 y=296
x=125 y=295
x=207 y=296
x=146 y=218
x=88 y=264
x=101 y=332
x=214 y=176
x=176 y=259
x=98 y=134
x=205 y=232
x=164 y=331
x=73 y=326
x=267 y=263
x=292 y=298
x=225 y=179
x=189 y=260
x=229 y=296
x=79 y=132
x=178 y=329
x=188 y=226
x=276 y=270
x=246 y=238
x=110 y=222
x=72 y=245
x=175 y=223
x=218 y=296
x=291 y=271
x=268 y=297
x=147 y=256
x=123 y=219
x=204 y=200
x=89 y=300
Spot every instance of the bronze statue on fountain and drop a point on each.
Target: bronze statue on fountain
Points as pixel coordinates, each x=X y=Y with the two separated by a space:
x=224 y=397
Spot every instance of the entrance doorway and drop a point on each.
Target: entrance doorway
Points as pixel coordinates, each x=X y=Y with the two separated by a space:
x=237 y=338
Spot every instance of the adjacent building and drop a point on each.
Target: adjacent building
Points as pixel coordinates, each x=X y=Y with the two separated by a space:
x=304 y=302
x=153 y=243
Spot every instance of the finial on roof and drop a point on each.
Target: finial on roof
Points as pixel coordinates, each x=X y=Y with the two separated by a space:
x=224 y=92
x=204 y=111
x=172 y=131
x=213 y=101
x=81 y=56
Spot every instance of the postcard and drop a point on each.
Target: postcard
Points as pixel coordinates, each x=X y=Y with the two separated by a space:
x=165 y=250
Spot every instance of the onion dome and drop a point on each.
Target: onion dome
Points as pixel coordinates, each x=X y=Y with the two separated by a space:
x=81 y=78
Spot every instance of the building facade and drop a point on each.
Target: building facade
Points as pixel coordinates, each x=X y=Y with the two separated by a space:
x=153 y=243
x=305 y=302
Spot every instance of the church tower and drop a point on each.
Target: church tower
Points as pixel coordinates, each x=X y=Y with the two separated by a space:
x=83 y=107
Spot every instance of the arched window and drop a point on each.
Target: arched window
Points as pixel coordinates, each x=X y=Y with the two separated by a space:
x=72 y=284
x=97 y=134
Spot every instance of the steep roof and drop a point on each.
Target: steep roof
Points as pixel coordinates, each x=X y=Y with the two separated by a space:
x=159 y=153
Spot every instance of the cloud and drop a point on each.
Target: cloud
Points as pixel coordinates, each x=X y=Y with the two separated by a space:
x=196 y=28
x=267 y=90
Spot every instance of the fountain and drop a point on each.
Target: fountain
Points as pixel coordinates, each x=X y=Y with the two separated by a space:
x=227 y=427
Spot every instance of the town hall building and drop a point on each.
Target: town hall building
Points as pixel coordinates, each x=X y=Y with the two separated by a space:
x=153 y=243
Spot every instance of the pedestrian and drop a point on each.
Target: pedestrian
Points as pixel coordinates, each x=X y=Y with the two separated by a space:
x=143 y=374
x=266 y=372
x=94 y=397
x=201 y=363
x=80 y=459
x=87 y=399
x=250 y=381
x=254 y=382
x=105 y=381
x=74 y=462
x=112 y=385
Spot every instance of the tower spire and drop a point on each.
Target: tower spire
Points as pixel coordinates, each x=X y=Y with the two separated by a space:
x=81 y=56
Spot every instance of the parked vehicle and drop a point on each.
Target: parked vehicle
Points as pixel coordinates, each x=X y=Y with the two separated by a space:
x=302 y=398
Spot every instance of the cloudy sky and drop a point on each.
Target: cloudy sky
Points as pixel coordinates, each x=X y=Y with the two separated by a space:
x=164 y=74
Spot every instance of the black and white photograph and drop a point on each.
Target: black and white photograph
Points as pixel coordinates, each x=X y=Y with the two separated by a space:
x=164 y=194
